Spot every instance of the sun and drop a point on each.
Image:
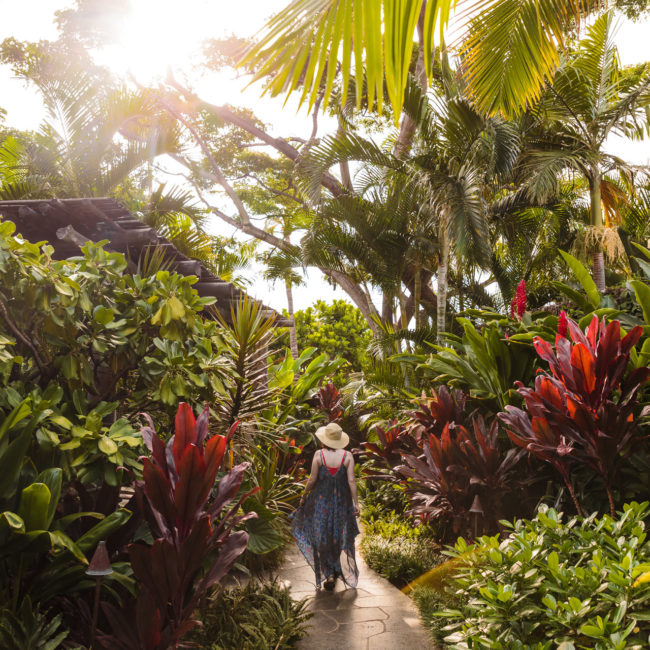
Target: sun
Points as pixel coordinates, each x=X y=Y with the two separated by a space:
x=155 y=36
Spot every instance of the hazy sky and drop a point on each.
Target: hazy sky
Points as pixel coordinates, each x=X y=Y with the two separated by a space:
x=168 y=32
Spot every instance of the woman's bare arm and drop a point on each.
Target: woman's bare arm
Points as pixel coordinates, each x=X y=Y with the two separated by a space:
x=352 y=482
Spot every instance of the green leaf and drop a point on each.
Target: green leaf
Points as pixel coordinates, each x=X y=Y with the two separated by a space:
x=13 y=521
x=18 y=414
x=63 y=541
x=592 y=631
x=103 y=529
x=12 y=460
x=34 y=506
x=103 y=315
x=53 y=478
x=642 y=293
x=107 y=446
x=584 y=278
x=263 y=538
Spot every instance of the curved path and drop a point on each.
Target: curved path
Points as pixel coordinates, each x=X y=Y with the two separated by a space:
x=374 y=616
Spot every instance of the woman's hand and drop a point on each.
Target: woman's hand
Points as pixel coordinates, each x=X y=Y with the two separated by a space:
x=355 y=511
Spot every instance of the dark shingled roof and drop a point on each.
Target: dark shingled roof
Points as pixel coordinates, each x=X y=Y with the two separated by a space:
x=61 y=221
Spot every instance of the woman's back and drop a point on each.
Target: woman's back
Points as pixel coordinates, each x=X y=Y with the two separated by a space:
x=325 y=525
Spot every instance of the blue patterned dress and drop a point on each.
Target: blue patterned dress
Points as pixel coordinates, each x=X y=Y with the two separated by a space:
x=325 y=527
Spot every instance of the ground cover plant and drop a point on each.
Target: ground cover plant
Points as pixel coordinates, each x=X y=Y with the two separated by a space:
x=397 y=550
x=256 y=616
x=555 y=580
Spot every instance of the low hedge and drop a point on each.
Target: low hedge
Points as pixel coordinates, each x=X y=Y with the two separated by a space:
x=581 y=583
x=398 y=551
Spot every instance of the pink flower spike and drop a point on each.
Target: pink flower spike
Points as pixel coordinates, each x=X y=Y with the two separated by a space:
x=563 y=324
x=512 y=308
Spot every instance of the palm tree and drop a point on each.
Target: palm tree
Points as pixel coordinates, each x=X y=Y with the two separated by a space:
x=511 y=50
x=590 y=98
x=415 y=209
x=94 y=137
x=281 y=265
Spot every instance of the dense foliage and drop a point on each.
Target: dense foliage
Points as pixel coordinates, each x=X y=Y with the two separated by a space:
x=579 y=582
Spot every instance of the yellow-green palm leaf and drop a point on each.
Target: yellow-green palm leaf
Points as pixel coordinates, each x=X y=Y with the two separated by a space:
x=513 y=47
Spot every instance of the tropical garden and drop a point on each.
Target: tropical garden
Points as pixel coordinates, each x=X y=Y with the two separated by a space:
x=488 y=350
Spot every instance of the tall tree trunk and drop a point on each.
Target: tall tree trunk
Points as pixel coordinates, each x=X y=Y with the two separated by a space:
x=417 y=295
x=293 y=336
x=404 y=318
x=442 y=283
x=387 y=308
x=595 y=199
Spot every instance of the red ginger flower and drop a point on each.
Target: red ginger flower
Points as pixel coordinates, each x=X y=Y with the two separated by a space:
x=521 y=298
x=563 y=324
x=512 y=308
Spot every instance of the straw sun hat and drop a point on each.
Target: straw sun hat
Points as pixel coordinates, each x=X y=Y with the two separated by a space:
x=331 y=435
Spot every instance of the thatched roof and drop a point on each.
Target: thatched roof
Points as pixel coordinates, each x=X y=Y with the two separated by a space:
x=68 y=223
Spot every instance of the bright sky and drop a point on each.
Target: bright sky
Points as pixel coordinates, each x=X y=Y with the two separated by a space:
x=162 y=33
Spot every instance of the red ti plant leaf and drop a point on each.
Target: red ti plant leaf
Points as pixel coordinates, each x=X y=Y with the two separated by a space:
x=192 y=489
x=442 y=409
x=584 y=412
x=202 y=426
x=392 y=441
x=184 y=431
x=158 y=489
x=196 y=545
x=330 y=400
x=457 y=466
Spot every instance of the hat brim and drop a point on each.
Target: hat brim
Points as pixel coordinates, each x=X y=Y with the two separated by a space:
x=343 y=441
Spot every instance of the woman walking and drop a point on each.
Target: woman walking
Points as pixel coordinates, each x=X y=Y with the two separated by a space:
x=325 y=524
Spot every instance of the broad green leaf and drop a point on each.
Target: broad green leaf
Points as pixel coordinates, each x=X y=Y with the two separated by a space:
x=642 y=293
x=63 y=541
x=18 y=414
x=107 y=446
x=579 y=300
x=34 y=506
x=262 y=537
x=584 y=278
x=103 y=315
x=13 y=521
x=53 y=478
x=12 y=461
x=103 y=529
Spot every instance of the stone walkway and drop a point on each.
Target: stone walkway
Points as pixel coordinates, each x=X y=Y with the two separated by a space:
x=374 y=616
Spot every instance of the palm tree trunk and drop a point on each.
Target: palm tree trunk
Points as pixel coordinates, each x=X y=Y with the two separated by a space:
x=387 y=308
x=442 y=283
x=597 y=221
x=417 y=295
x=293 y=337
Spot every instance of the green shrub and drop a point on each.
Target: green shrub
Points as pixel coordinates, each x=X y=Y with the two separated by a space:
x=398 y=551
x=429 y=603
x=382 y=496
x=259 y=616
x=552 y=583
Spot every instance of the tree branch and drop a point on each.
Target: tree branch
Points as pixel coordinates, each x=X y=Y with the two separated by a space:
x=22 y=337
x=274 y=191
x=218 y=174
x=328 y=181
x=358 y=296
